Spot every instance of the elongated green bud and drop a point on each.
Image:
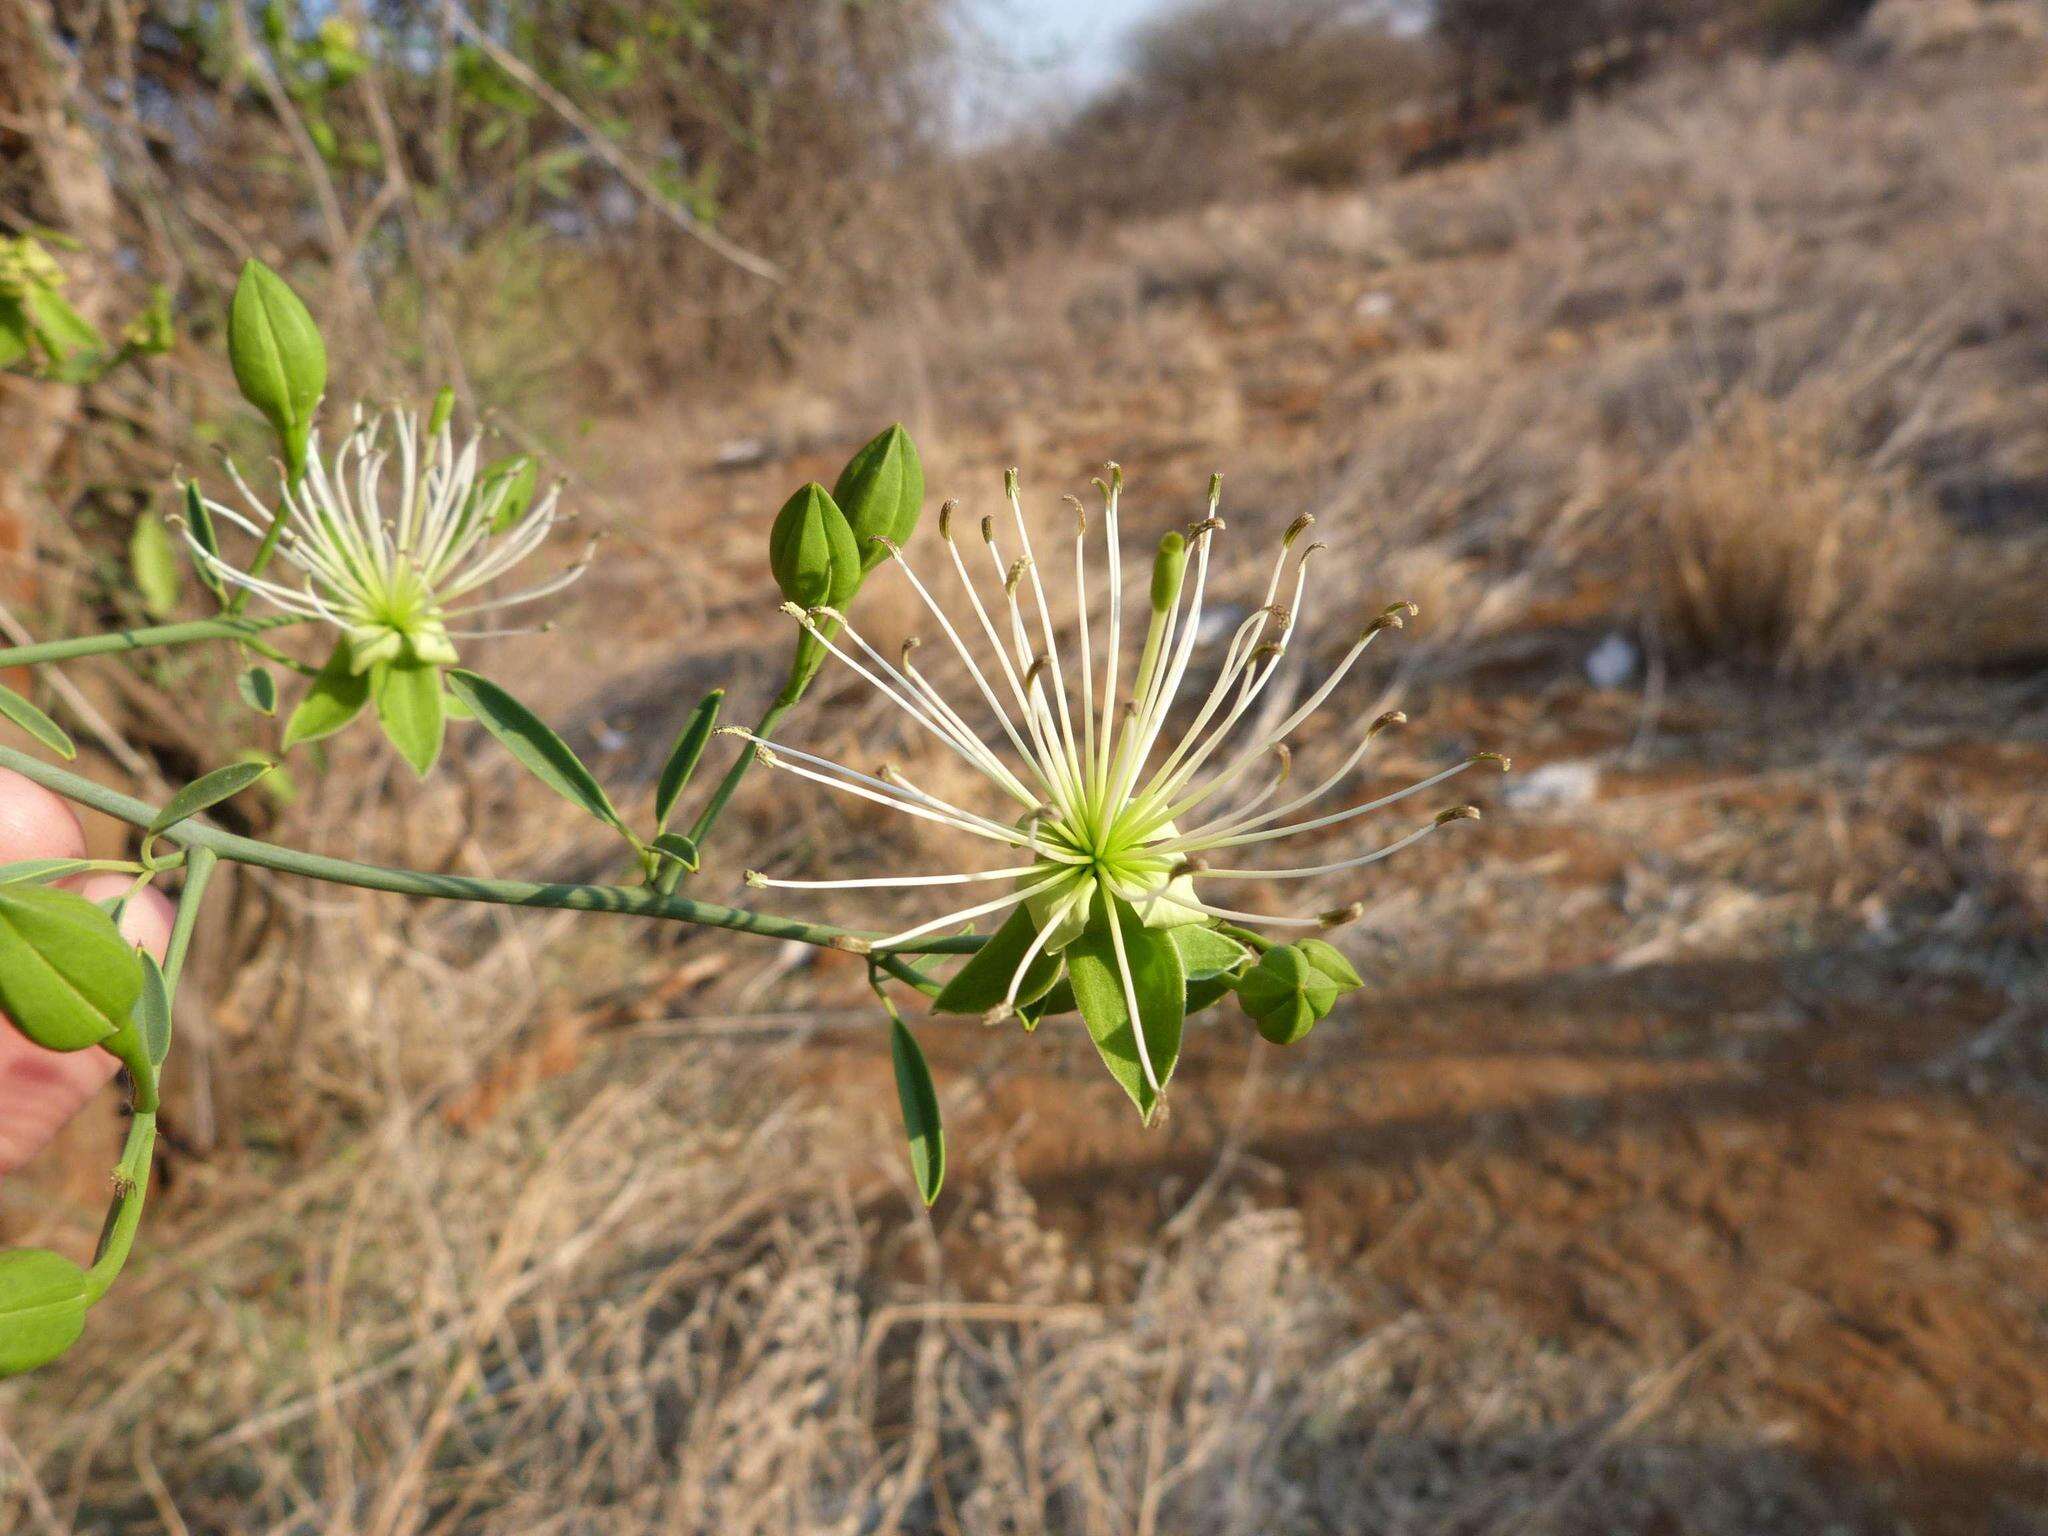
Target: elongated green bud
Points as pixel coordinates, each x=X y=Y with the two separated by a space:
x=278 y=357
x=881 y=491
x=811 y=550
x=1169 y=566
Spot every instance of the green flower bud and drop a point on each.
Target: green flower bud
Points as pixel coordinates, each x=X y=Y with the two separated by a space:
x=278 y=357
x=812 y=552
x=881 y=491
x=1169 y=566
x=1286 y=994
x=1330 y=960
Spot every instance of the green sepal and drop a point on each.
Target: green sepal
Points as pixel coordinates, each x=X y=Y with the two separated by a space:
x=68 y=979
x=881 y=492
x=42 y=1308
x=337 y=695
x=1160 y=985
x=410 y=708
x=982 y=983
x=920 y=1102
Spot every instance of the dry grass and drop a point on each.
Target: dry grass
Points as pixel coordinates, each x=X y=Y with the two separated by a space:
x=1608 y=1209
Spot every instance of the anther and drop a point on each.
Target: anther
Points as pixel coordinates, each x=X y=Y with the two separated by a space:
x=903 y=657
x=1404 y=609
x=1286 y=755
x=1080 y=514
x=895 y=549
x=1457 y=813
x=1215 y=490
x=1193 y=864
x=1033 y=672
x=1270 y=651
x=1010 y=482
x=988 y=530
x=1016 y=575
x=765 y=756
x=1337 y=917
x=1205 y=527
x=997 y=1015
x=946 y=510
x=732 y=730
x=1296 y=529
x=794 y=610
x=1391 y=718
x=1494 y=757
x=756 y=880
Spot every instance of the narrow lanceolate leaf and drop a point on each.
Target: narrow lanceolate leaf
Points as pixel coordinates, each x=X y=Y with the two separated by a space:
x=209 y=790
x=984 y=981
x=336 y=697
x=42 y=1308
x=153 y=1010
x=279 y=359
x=539 y=750
x=409 y=707
x=36 y=723
x=683 y=757
x=38 y=871
x=1160 y=986
x=920 y=1111
x=67 y=978
x=258 y=689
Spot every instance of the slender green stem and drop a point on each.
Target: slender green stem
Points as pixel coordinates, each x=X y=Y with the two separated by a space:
x=636 y=901
x=143 y=639
x=199 y=868
x=132 y=1181
x=1258 y=942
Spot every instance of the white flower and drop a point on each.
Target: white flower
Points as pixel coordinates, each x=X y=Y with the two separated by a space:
x=1101 y=804
x=394 y=579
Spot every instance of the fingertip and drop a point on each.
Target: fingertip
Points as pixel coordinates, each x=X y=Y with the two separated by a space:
x=36 y=823
x=146 y=920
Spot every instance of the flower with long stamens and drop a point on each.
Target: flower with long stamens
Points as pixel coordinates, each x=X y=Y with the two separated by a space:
x=397 y=557
x=1116 y=831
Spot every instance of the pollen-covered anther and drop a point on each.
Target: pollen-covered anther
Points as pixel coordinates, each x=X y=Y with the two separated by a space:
x=1018 y=569
x=1337 y=917
x=988 y=530
x=764 y=754
x=851 y=943
x=1271 y=650
x=1296 y=529
x=1080 y=514
x=1494 y=757
x=796 y=611
x=1391 y=619
x=756 y=880
x=998 y=1014
x=1206 y=527
x=1040 y=664
x=1391 y=718
x=1193 y=864
x=822 y=614
x=946 y=510
x=1281 y=615
x=895 y=550
x=1010 y=482
x=909 y=645
x=732 y=730
x=1457 y=813
x=1403 y=608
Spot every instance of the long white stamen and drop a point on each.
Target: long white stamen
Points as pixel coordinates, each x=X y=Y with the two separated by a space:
x=1123 y=971
x=965 y=914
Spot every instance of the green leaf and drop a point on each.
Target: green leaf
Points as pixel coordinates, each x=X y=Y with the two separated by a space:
x=683 y=756
x=981 y=984
x=920 y=1103
x=881 y=492
x=1161 y=989
x=811 y=551
x=279 y=359
x=38 y=871
x=336 y=697
x=200 y=521
x=36 y=723
x=1208 y=992
x=409 y=707
x=1205 y=953
x=42 y=1308
x=543 y=754
x=1055 y=1002
x=68 y=979
x=153 y=564
x=152 y=1014
x=678 y=850
x=510 y=483
x=258 y=690
x=207 y=790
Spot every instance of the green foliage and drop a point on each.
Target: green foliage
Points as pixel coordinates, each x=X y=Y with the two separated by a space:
x=507 y=486
x=981 y=984
x=42 y=1308
x=41 y=333
x=36 y=723
x=153 y=565
x=539 y=750
x=205 y=792
x=68 y=979
x=685 y=754
x=920 y=1104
